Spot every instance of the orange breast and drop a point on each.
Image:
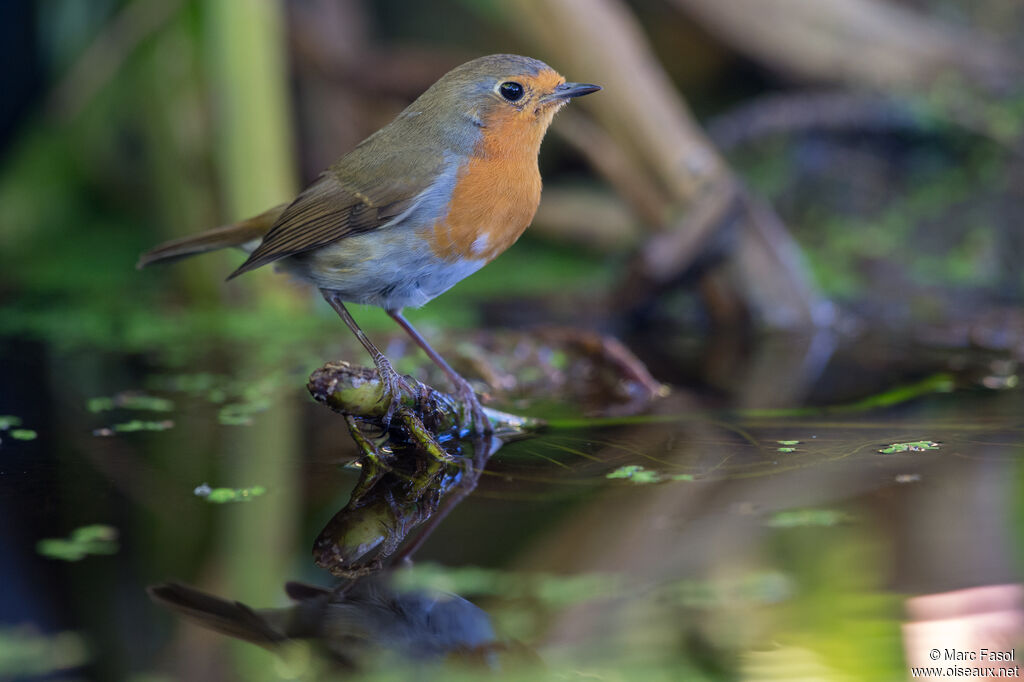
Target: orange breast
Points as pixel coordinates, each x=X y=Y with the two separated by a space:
x=495 y=196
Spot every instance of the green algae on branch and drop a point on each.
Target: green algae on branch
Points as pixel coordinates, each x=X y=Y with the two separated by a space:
x=912 y=446
x=357 y=391
x=84 y=541
x=223 y=495
x=639 y=475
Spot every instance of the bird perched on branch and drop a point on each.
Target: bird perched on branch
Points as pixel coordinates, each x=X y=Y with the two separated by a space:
x=419 y=205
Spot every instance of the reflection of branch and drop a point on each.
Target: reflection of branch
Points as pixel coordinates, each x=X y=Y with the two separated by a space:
x=404 y=475
x=100 y=62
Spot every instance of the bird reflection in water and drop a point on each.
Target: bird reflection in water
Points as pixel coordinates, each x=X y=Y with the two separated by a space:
x=357 y=624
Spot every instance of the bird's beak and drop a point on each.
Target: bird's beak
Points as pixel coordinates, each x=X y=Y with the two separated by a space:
x=567 y=90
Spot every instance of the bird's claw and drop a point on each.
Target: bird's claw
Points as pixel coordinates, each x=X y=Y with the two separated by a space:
x=393 y=387
x=472 y=411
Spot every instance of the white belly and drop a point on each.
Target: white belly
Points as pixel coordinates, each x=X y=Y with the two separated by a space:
x=390 y=267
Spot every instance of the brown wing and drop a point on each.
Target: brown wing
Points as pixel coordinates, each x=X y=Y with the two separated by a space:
x=325 y=212
x=370 y=186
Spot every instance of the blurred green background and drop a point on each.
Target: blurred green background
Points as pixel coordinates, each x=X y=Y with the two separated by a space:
x=763 y=191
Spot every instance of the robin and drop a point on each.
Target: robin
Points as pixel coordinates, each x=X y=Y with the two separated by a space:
x=416 y=207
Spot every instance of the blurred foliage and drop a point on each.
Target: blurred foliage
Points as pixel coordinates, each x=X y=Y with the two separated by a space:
x=27 y=653
x=927 y=209
x=103 y=169
x=224 y=495
x=84 y=541
x=9 y=420
x=129 y=401
x=86 y=189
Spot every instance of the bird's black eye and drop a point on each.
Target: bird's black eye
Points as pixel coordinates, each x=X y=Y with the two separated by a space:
x=511 y=91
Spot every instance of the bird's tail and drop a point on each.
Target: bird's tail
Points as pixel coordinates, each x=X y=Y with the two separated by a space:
x=234 y=619
x=236 y=234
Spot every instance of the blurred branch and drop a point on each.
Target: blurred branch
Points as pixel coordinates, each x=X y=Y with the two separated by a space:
x=640 y=110
x=799 y=112
x=246 y=46
x=838 y=111
x=247 y=51
x=659 y=145
x=859 y=42
x=105 y=55
x=628 y=177
x=345 y=86
x=591 y=219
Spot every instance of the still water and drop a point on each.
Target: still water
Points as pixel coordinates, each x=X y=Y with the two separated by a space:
x=787 y=513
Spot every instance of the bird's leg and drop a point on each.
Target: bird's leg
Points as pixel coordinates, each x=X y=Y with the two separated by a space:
x=391 y=381
x=464 y=391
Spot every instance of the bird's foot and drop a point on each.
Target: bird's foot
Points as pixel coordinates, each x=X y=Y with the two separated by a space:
x=471 y=412
x=393 y=387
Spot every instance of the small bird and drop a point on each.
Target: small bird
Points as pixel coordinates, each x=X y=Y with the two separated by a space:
x=416 y=207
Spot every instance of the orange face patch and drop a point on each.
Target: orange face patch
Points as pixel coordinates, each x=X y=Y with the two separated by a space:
x=497 y=191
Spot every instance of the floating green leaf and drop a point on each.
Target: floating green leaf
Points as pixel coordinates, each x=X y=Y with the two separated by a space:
x=9 y=420
x=129 y=401
x=786 y=449
x=638 y=474
x=801 y=518
x=25 y=653
x=223 y=495
x=139 y=425
x=240 y=414
x=912 y=446
x=788 y=442
x=23 y=434
x=94 y=539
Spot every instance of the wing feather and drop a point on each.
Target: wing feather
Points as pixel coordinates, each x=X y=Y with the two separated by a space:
x=324 y=213
x=382 y=178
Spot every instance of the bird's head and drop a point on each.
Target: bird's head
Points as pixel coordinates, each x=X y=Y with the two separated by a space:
x=508 y=99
